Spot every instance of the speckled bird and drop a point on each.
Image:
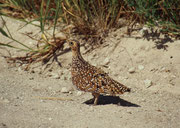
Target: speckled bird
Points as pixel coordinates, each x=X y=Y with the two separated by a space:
x=89 y=78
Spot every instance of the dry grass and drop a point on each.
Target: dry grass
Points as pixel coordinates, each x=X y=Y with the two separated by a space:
x=92 y=19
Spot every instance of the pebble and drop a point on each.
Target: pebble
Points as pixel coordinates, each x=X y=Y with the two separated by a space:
x=61 y=35
x=79 y=93
x=50 y=88
x=125 y=78
x=173 y=76
x=115 y=74
x=147 y=83
x=63 y=77
x=144 y=31
x=95 y=65
x=36 y=23
x=19 y=69
x=31 y=78
x=129 y=111
x=115 y=34
x=50 y=118
x=106 y=61
x=143 y=100
x=31 y=43
x=94 y=55
x=147 y=48
x=42 y=101
x=162 y=69
x=69 y=76
x=54 y=75
x=66 y=90
x=140 y=67
x=131 y=70
x=36 y=70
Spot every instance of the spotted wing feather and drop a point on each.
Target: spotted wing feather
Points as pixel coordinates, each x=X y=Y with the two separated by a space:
x=108 y=85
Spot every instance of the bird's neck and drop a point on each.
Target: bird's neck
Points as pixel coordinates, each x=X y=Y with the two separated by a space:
x=76 y=56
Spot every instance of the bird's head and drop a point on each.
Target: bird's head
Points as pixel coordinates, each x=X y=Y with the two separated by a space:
x=75 y=46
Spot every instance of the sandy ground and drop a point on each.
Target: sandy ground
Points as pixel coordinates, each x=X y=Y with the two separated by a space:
x=149 y=66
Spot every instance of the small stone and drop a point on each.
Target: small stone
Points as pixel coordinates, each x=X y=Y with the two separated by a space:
x=115 y=34
x=140 y=67
x=70 y=92
x=36 y=23
x=94 y=55
x=54 y=75
x=50 y=118
x=19 y=69
x=66 y=89
x=36 y=70
x=115 y=74
x=32 y=71
x=129 y=111
x=173 y=76
x=95 y=65
x=64 y=77
x=147 y=48
x=126 y=78
x=69 y=76
x=50 y=88
x=31 y=78
x=143 y=100
x=30 y=43
x=144 y=31
x=148 y=83
x=106 y=61
x=61 y=35
x=131 y=70
x=79 y=93
x=42 y=101
x=162 y=69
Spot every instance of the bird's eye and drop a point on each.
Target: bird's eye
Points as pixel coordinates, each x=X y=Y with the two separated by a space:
x=71 y=43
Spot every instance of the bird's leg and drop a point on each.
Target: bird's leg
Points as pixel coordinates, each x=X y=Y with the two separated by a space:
x=96 y=96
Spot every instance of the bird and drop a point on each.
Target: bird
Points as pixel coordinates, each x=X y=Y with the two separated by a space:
x=89 y=78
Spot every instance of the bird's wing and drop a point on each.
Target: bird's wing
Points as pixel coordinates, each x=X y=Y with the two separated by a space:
x=101 y=81
x=99 y=72
x=106 y=84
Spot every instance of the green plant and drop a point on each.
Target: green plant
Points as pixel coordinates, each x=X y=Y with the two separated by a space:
x=163 y=13
x=51 y=43
x=8 y=35
x=92 y=18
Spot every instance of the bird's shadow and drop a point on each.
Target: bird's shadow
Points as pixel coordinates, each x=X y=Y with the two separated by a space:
x=104 y=100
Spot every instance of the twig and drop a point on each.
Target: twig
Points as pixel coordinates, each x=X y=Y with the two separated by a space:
x=55 y=98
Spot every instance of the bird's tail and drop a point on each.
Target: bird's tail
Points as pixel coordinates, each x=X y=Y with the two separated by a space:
x=120 y=88
x=124 y=88
x=127 y=89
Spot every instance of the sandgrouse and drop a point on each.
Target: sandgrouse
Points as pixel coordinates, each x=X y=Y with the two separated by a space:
x=89 y=78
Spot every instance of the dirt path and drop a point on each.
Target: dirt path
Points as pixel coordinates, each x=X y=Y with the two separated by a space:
x=152 y=73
